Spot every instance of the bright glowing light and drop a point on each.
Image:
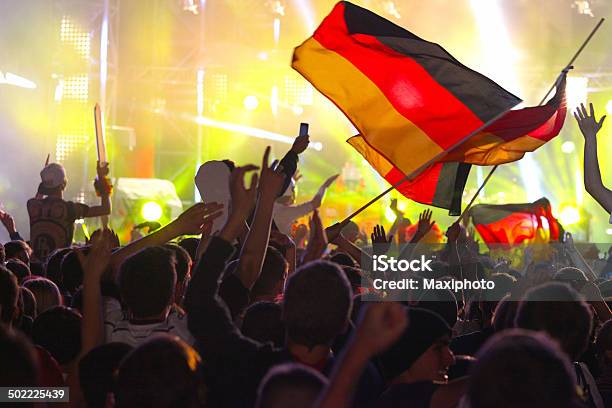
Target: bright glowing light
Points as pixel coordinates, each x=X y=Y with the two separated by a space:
x=401 y=205
x=609 y=231
x=200 y=91
x=568 y=147
x=609 y=107
x=569 y=215
x=276 y=30
x=306 y=13
x=263 y=56
x=390 y=215
x=16 y=80
x=151 y=211
x=298 y=110
x=254 y=132
x=250 y=102
x=391 y=8
x=274 y=100
x=59 y=91
x=576 y=91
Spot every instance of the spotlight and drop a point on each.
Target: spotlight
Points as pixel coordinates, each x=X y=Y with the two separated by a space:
x=609 y=231
x=250 y=102
x=297 y=110
x=151 y=211
x=568 y=147
x=577 y=91
x=569 y=215
x=609 y=107
x=390 y=215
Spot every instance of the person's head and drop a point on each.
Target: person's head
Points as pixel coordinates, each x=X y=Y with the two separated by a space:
x=46 y=293
x=571 y=276
x=18 y=250
x=442 y=302
x=505 y=313
x=146 y=281
x=519 y=368
x=183 y=270
x=53 y=179
x=272 y=278
x=162 y=372
x=190 y=244
x=29 y=302
x=71 y=271
x=263 y=322
x=18 y=359
x=9 y=295
x=20 y=269
x=422 y=352
x=603 y=345
x=53 y=269
x=97 y=371
x=316 y=304
x=558 y=310
x=58 y=330
x=2 y=254
x=290 y=385
x=343 y=259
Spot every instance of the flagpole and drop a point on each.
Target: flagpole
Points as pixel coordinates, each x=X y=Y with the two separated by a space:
x=567 y=67
x=419 y=170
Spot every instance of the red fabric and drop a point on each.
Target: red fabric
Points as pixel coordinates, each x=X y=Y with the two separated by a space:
x=405 y=83
x=422 y=188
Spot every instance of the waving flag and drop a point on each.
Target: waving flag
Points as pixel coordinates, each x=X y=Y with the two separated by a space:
x=410 y=99
x=415 y=105
x=515 y=223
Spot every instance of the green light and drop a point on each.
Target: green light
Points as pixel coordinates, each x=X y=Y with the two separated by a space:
x=569 y=215
x=151 y=211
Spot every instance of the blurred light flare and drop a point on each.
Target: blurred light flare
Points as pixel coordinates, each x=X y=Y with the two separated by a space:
x=9 y=78
x=250 y=102
x=568 y=147
x=569 y=215
x=576 y=91
x=151 y=211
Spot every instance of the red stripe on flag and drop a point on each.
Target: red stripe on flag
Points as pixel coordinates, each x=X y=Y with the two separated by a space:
x=405 y=83
x=423 y=188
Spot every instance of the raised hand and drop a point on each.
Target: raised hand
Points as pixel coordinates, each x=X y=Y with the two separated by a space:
x=317 y=242
x=380 y=325
x=191 y=221
x=589 y=126
x=8 y=221
x=380 y=241
x=243 y=199
x=334 y=231
x=425 y=224
x=394 y=208
x=271 y=180
x=98 y=259
x=300 y=144
x=102 y=170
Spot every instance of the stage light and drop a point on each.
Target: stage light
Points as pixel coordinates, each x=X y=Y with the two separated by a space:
x=609 y=107
x=576 y=91
x=274 y=100
x=391 y=9
x=263 y=56
x=569 y=215
x=276 y=30
x=151 y=211
x=609 y=231
x=568 y=147
x=16 y=80
x=297 y=110
x=250 y=102
x=66 y=144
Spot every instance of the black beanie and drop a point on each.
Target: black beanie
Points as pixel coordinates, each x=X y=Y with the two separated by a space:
x=424 y=328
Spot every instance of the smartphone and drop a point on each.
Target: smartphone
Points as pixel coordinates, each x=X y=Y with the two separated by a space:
x=303 y=129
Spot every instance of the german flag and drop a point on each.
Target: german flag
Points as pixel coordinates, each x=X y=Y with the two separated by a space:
x=513 y=224
x=410 y=99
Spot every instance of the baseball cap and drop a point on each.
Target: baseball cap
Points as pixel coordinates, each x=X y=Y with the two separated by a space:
x=53 y=175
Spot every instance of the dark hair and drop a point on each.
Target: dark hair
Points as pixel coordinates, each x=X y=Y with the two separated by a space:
x=317 y=304
x=53 y=269
x=46 y=293
x=19 y=268
x=190 y=244
x=443 y=302
x=97 y=372
x=273 y=271
x=604 y=340
x=12 y=249
x=558 y=310
x=183 y=259
x=37 y=268
x=18 y=359
x=147 y=280
x=518 y=368
x=2 y=254
x=72 y=271
x=263 y=322
x=9 y=294
x=290 y=384
x=505 y=313
x=29 y=302
x=58 y=330
x=162 y=372
x=343 y=259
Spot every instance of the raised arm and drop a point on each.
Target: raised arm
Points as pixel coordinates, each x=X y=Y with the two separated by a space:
x=288 y=163
x=103 y=189
x=593 y=183
x=188 y=223
x=254 y=249
x=9 y=224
